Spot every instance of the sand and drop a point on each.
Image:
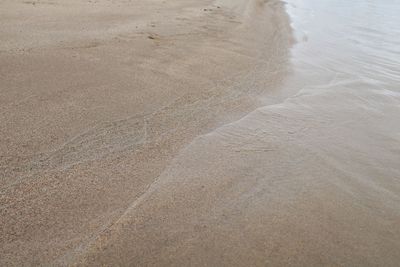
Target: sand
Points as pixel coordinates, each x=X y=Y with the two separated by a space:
x=97 y=97
x=198 y=133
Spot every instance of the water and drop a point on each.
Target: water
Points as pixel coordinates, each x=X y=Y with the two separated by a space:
x=354 y=43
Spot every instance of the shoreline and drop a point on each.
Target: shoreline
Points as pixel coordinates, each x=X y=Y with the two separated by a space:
x=311 y=181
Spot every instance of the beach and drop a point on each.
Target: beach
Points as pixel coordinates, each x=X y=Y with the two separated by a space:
x=97 y=98
x=199 y=133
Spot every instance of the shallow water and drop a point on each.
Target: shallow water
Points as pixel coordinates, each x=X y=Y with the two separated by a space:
x=353 y=45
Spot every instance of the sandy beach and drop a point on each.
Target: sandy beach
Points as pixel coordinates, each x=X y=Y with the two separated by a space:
x=199 y=133
x=97 y=97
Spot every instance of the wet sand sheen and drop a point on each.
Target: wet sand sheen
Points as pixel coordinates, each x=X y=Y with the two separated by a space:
x=98 y=97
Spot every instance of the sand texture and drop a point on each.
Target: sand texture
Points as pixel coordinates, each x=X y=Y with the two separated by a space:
x=97 y=97
x=199 y=133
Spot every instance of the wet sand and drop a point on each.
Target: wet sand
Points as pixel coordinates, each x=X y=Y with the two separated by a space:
x=98 y=97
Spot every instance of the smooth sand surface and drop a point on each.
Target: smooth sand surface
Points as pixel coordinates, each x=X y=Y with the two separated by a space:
x=97 y=97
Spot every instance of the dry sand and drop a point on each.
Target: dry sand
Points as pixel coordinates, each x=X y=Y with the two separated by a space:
x=97 y=97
